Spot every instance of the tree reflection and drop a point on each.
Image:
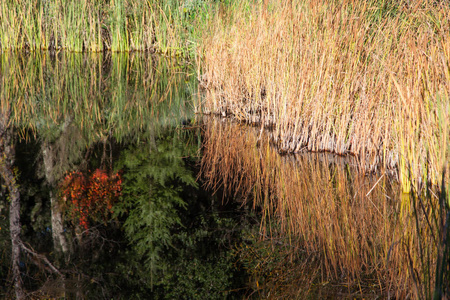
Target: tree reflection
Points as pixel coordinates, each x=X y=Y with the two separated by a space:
x=68 y=106
x=181 y=242
x=7 y=174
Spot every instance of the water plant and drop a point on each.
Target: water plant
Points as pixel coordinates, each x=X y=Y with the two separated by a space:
x=170 y=27
x=366 y=78
x=96 y=91
x=431 y=279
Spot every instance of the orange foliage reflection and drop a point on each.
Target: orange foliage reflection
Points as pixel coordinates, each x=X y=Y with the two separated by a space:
x=90 y=198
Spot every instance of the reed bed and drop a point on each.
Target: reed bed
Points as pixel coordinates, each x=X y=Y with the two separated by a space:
x=94 y=26
x=353 y=224
x=367 y=78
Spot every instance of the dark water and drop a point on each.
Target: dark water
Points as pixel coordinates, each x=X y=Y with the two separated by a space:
x=156 y=202
x=141 y=225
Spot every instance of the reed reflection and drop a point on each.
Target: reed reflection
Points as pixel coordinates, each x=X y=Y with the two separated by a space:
x=344 y=228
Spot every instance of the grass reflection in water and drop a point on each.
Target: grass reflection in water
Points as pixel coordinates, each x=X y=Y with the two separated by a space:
x=112 y=113
x=326 y=229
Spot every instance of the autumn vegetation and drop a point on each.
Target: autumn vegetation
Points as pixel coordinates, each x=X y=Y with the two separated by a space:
x=366 y=78
x=90 y=198
x=346 y=232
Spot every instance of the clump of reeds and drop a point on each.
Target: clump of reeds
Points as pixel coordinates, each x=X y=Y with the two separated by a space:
x=368 y=78
x=353 y=224
x=91 y=25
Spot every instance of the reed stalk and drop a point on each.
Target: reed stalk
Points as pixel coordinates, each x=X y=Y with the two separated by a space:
x=119 y=94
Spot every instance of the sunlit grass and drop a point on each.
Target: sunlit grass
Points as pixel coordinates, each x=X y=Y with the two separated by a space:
x=170 y=27
x=367 y=78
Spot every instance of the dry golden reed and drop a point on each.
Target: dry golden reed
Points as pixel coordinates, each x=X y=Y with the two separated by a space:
x=368 y=78
x=353 y=224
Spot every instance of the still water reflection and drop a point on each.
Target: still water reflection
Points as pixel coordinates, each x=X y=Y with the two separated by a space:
x=129 y=195
x=106 y=153
x=330 y=231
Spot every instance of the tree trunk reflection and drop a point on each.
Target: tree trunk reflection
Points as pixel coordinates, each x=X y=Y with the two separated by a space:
x=7 y=174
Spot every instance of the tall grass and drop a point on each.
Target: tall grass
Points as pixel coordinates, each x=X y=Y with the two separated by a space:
x=368 y=78
x=170 y=27
x=351 y=227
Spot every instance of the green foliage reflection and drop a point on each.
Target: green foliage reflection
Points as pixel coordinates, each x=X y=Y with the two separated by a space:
x=151 y=195
x=177 y=245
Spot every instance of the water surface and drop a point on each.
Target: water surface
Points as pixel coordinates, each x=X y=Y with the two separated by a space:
x=130 y=194
x=109 y=144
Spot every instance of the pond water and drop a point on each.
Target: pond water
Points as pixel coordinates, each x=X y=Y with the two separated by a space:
x=110 y=139
x=129 y=194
